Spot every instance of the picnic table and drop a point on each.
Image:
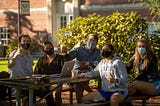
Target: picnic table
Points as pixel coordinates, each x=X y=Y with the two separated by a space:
x=30 y=82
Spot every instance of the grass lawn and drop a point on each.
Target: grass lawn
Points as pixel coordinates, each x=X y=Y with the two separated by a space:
x=4 y=62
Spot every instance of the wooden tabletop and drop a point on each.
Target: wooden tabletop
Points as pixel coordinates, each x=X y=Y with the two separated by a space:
x=30 y=81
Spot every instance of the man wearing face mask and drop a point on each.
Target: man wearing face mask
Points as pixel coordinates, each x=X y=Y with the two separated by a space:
x=20 y=62
x=85 y=53
x=49 y=64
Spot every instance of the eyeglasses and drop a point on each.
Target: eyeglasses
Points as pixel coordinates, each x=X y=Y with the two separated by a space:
x=141 y=46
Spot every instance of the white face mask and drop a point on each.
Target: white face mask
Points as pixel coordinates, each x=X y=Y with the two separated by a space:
x=141 y=50
x=91 y=44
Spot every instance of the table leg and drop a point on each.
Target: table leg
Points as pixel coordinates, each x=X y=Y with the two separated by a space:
x=30 y=97
x=18 y=96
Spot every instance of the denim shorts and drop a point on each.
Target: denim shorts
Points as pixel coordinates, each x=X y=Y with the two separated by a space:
x=107 y=95
x=157 y=85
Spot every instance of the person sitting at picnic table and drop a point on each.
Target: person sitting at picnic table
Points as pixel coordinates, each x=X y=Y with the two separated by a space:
x=86 y=53
x=114 y=78
x=144 y=60
x=20 y=63
x=49 y=64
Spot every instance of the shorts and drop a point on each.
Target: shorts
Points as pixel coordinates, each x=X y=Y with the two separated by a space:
x=107 y=95
x=157 y=85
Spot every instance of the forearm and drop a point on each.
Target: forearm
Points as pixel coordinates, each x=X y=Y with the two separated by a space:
x=11 y=62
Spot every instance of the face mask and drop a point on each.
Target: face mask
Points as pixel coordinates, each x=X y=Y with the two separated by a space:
x=91 y=44
x=25 y=46
x=106 y=54
x=50 y=51
x=141 y=50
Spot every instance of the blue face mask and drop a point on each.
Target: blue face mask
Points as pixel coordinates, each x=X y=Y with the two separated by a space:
x=141 y=50
x=91 y=44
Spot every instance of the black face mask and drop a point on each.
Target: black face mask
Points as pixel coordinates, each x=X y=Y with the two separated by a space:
x=106 y=54
x=25 y=46
x=49 y=52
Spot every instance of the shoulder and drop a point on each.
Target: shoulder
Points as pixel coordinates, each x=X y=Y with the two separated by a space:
x=117 y=59
x=30 y=56
x=42 y=58
x=59 y=56
x=102 y=61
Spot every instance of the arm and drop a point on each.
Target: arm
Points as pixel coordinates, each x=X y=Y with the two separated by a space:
x=12 y=58
x=72 y=53
x=94 y=72
x=121 y=72
x=129 y=66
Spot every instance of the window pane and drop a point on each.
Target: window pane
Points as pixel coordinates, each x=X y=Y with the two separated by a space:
x=4 y=35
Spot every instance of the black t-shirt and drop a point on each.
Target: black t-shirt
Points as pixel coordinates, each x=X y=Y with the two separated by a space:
x=54 y=67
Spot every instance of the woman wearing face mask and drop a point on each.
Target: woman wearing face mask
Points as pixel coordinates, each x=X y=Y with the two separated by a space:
x=145 y=61
x=49 y=64
x=114 y=78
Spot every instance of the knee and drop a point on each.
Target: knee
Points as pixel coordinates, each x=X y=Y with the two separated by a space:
x=116 y=99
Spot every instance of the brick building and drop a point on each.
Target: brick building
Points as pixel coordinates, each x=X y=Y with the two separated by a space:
x=47 y=16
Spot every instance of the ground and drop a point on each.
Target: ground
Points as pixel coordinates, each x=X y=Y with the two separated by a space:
x=65 y=100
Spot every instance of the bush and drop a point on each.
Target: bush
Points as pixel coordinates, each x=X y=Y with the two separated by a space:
x=120 y=29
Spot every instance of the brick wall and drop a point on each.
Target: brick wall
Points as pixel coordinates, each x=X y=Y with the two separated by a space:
x=142 y=12
x=11 y=4
x=90 y=2
x=32 y=24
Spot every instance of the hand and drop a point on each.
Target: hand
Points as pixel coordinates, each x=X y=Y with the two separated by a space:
x=79 y=44
x=81 y=75
x=112 y=80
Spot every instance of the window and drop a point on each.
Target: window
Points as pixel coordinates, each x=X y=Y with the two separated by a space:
x=4 y=36
x=63 y=20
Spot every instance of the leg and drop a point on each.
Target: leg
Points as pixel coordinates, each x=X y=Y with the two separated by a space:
x=79 y=88
x=116 y=99
x=58 y=98
x=30 y=97
x=18 y=94
x=87 y=87
x=50 y=100
x=146 y=88
x=91 y=96
x=79 y=92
